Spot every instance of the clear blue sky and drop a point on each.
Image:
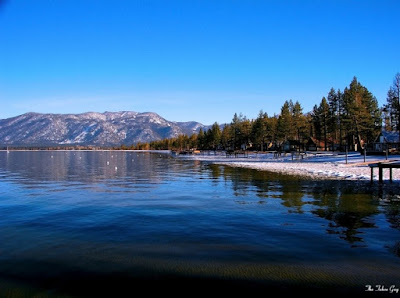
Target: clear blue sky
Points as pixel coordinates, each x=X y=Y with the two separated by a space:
x=192 y=59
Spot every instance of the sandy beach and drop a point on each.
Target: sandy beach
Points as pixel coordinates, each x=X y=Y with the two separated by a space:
x=314 y=165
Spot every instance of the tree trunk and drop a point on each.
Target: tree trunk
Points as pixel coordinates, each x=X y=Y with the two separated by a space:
x=358 y=135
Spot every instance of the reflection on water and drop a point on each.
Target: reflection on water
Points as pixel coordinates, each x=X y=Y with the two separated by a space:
x=349 y=207
x=86 y=166
x=148 y=214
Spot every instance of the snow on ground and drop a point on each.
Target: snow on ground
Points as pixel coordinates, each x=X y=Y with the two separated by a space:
x=314 y=165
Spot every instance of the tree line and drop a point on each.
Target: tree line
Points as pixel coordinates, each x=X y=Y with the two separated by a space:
x=343 y=119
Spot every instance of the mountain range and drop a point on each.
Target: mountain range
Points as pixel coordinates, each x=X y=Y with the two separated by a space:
x=100 y=129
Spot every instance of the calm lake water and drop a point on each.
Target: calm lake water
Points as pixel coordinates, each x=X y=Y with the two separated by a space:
x=84 y=223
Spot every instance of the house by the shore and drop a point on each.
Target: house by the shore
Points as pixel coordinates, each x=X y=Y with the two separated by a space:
x=314 y=145
x=386 y=142
x=292 y=145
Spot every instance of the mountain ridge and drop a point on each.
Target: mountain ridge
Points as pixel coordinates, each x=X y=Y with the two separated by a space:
x=91 y=128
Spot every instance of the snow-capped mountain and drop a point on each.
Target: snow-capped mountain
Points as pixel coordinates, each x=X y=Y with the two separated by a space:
x=109 y=128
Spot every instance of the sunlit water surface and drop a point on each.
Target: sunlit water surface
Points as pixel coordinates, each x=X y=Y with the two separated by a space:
x=72 y=221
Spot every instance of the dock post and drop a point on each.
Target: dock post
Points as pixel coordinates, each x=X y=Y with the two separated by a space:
x=391 y=175
x=365 y=154
x=380 y=174
x=372 y=175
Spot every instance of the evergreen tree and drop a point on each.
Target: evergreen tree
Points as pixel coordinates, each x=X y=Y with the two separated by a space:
x=214 y=138
x=226 y=136
x=362 y=115
x=272 y=124
x=299 y=122
x=201 y=139
x=316 y=120
x=258 y=131
x=334 y=114
x=352 y=115
x=236 y=130
x=323 y=111
x=284 y=123
x=193 y=141
x=245 y=132
x=393 y=105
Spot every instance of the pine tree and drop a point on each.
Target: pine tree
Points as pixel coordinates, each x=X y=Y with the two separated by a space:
x=259 y=130
x=334 y=119
x=193 y=141
x=362 y=115
x=245 y=132
x=393 y=104
x=284 y=124
x=316 y=120
x=271 y=128
x=237 y=130
x=299 y=122
x=336 y=112
x=214 y=138
x=324 y=118
x=201 y=139
x=226 y=136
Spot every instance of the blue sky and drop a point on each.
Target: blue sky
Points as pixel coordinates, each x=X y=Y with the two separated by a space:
x=191 y=59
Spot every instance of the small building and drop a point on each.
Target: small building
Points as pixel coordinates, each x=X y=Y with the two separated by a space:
x=314 y=145
x=292 y=145
x=387 y=141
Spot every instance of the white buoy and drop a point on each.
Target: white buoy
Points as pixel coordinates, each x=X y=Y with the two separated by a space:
x=116 y=168
x=108 y=163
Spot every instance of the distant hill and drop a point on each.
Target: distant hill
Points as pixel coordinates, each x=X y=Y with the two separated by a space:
x=102 y=129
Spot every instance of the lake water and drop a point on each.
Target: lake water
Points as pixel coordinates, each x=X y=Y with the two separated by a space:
x=84 y=223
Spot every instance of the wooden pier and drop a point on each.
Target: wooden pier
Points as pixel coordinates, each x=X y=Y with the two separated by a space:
x=394 y=164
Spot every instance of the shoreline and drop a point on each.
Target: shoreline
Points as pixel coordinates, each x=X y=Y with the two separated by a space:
x=86 y=150
x=316 y=166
